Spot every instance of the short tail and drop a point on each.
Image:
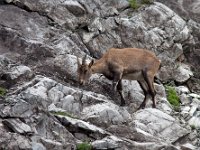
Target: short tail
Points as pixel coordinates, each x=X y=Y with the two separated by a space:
x=156 y=79
x=160 y=64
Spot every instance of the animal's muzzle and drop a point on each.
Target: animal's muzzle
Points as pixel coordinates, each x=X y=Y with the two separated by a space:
x=82 y=82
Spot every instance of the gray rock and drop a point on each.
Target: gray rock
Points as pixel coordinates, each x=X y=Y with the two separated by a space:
x=74 y=7
x=107 y=143
x=25 y=22
x=55 y=95
x=76 y=123
x=186 y=9
x=71 y=105
x=68 y=43
x=193 y=95
x=152 y=145
x=133 y=92
x=18 y=126
x=188 y=146
x=159 y=124
x=53 y=108
x=195 y=121
x=140 y=23
x=17 y=108
x=161 y=99
x=50 y=129
x=68 y=65
x=50 y=144
x=60 y=14
x=182 y=73
x=106 y=114
x=182 y=90
x=18 y=71
x=38 y=146
x=12 y=141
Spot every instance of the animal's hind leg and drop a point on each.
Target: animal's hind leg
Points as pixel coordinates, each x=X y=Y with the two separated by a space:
x=144 y=87
x=149 y=79
x=119 y=89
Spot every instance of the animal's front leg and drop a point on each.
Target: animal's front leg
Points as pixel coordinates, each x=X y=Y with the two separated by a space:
x=117 y=78
x=115 y=83
x=119 y=88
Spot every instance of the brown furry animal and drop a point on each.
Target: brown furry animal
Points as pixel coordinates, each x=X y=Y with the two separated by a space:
x=128 y=63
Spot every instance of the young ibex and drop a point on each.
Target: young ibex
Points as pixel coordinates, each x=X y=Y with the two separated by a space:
x=128 y=63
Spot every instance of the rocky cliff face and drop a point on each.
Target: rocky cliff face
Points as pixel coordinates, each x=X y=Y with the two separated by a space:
x=189 y=10
x=45 y=108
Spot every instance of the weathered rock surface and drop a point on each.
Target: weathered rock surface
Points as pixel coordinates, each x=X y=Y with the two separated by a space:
x=185 y=8
x=159 y=124
x=189 y=10
x=45 y=108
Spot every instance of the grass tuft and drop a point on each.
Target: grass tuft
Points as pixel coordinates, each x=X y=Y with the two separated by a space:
x=147 y=2
x=2 y=91
x=134 y=4
x=193 y=127
x=84 y=146
x=173 y=97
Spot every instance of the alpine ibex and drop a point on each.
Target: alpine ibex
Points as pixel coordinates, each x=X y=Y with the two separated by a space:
x=128 y=63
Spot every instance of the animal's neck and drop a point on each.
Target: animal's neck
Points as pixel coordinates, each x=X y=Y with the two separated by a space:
x=98 y=67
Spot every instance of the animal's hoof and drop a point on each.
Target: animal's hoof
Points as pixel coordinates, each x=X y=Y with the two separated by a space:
x=141 y=107
x=115 y=89
x=122 y=104
x=154 y=106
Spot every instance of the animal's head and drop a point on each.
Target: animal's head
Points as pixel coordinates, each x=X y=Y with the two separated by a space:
x=84 y=70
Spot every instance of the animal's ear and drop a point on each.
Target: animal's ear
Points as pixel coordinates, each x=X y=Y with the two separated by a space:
x=91 y=63
x=84 y=59
x=78 y=61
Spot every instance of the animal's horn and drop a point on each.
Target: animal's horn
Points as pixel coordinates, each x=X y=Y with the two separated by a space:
x=78 y=62
x=84 y=58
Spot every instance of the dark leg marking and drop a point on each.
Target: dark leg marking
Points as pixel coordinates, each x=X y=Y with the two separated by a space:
x=151 y=87
x=145 y=90
x=117 y=78
x=119 y=89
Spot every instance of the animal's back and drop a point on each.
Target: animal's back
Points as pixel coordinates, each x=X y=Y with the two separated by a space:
x=131 y=57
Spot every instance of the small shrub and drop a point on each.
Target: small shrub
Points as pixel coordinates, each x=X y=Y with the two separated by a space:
x=134 y=4
x=2 y=91
x=172 y=97
x=84 y=146
x=147 y=2
x=193 y=127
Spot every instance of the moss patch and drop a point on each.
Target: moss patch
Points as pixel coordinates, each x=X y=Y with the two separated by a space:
x=2 y=91
x=172 y=97
x=84 y=146
x=193 y=127
x=147 y=2
x=135 y=4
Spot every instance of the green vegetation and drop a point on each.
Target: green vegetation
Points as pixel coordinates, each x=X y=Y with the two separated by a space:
x=147 y=2
x=84 y=146
x=2 y=91
x=172 y=97
x=135 y=4
x=193 y=127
